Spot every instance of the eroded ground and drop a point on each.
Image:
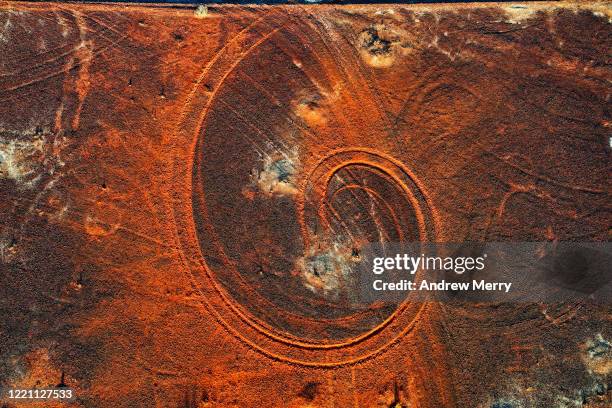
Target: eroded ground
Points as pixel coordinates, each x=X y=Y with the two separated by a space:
x=185 y=191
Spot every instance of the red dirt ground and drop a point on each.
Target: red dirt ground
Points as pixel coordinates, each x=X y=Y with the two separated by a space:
x=182 y=191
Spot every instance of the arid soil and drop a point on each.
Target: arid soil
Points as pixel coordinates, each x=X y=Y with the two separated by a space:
x=184 y=192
